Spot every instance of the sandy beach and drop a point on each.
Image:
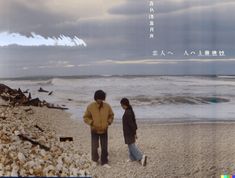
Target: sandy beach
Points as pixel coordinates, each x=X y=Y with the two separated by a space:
x=173 y=149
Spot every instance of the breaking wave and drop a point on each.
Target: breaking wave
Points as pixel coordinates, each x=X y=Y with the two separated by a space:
x=192 y=100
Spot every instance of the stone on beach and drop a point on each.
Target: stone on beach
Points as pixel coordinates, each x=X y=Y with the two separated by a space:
x=22 y=158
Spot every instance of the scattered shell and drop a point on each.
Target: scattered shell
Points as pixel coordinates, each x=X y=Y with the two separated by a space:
x=1 y=166
x=43 y=152
x=31 y=171
x=17 y=132
x=82 y=172
x=1 y=173
x=14 y=171
x=59 y=167
x=21 y=157
x=48 y=169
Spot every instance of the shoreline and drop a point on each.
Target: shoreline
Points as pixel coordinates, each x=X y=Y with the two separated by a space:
x=180 y=150
x=183 y=122
x=174 y=149
x=162 y=122
x=44 y=77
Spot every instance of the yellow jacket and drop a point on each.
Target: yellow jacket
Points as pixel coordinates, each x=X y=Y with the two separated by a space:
x=98 y=119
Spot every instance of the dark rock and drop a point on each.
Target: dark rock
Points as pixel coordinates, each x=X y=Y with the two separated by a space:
x=17 y=97
x=34 y=102
x=26 y=91
x=42 y=90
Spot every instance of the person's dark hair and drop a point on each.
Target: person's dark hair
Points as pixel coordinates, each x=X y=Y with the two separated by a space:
x=126 y=102
x=99 y=94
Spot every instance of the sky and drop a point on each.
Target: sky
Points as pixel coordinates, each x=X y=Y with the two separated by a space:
x=111 y=37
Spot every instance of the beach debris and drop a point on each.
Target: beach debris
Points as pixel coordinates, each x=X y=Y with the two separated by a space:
x=25 y=138
x=26 y=91
x=34 y=102
x=27 y=151
x=64 y=139
x=18 y=98
x=6 y=89
x=29 y=97
x=21 y=157
x=53 y=106
x=2 y=117
x=28 y=109
x=42 y=90
x=39 y=128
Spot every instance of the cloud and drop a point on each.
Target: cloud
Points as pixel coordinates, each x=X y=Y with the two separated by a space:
x=7 y=39
x=160 y=61
x=117 y=30
x=41 y=16
x=137 y=7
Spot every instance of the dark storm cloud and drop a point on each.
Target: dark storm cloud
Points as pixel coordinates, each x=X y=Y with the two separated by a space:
x=121 y=34
x=18 y=17
x=188 y=26
x=206 y=28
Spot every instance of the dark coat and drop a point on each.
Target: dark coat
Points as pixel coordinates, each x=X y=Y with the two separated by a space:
x=129 y=126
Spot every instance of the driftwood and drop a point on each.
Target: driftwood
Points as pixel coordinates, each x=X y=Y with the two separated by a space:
x=27 y=109
x=4 y=105
x=25 y=138
x=42 y=90
x=33 y=102
x=29 y=97
x=6 y=89
x=39 y=128
x=64 y=139
x=26 y=91
x=17 y=97
x=56 y=107
x=14 y=96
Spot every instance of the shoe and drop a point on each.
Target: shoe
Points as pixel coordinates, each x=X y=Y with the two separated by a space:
x=144 y=160
x=129 y=160
x=106 y=166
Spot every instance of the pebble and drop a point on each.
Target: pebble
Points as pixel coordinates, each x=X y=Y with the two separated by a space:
x=22 y=158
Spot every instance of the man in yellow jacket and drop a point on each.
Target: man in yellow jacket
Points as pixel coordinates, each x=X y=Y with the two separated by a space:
x=99 y=116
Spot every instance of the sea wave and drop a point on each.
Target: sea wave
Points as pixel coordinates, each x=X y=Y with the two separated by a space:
x=191 y=100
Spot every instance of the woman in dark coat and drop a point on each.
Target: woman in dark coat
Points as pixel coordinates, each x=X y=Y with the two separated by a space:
x=129 y=132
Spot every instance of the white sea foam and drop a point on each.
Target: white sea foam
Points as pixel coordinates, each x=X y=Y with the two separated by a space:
x=164 y=98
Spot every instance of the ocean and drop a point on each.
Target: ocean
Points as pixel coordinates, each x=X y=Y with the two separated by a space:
x=154 y=98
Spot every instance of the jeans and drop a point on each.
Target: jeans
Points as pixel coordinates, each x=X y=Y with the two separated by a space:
x=95 y=145
x=134 y=152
